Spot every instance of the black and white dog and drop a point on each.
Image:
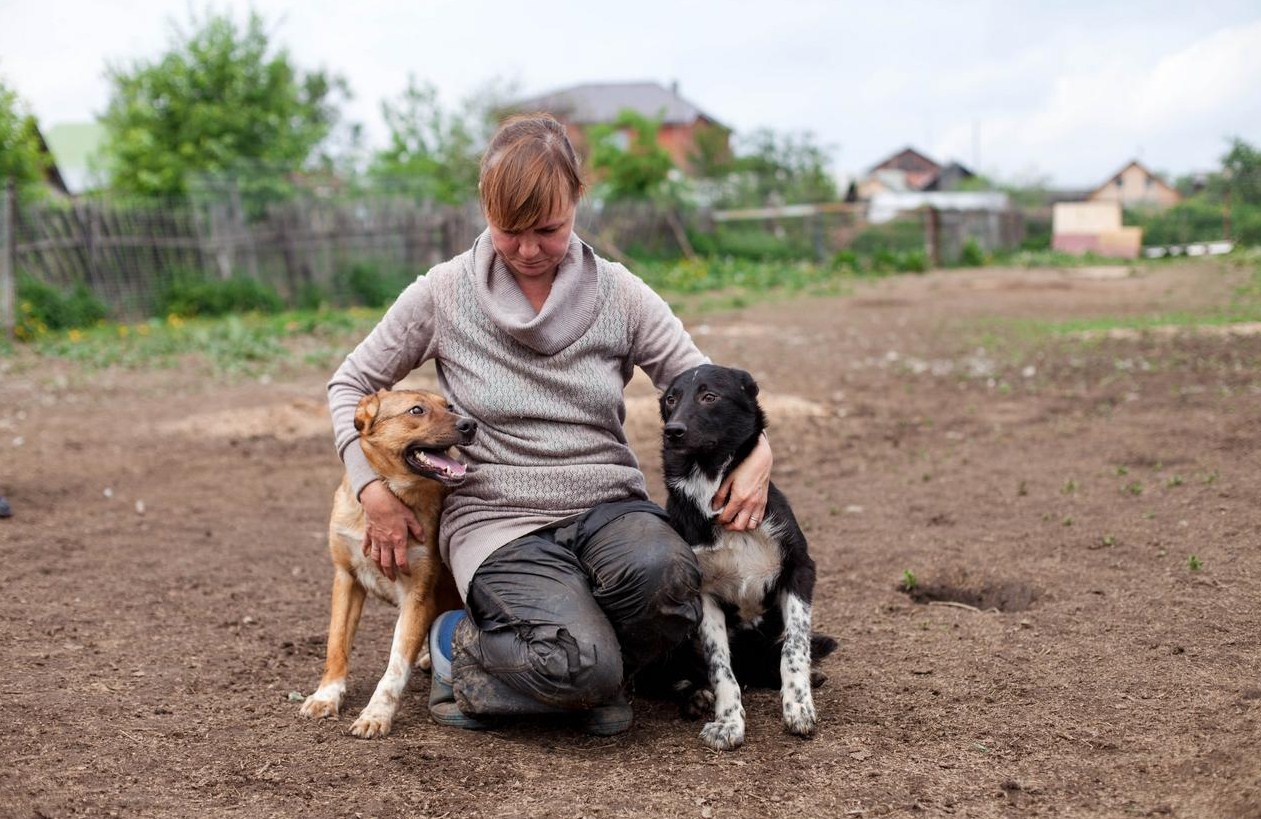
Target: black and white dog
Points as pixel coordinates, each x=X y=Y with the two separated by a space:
x=757 y=581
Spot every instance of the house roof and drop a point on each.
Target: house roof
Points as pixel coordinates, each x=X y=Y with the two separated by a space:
x=900 y=159
x=602 y=102
x=75 y=147
x=1134 y=163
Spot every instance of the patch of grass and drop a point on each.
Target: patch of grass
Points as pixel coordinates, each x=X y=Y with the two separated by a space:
x=1176 y=480
x=1069 y=487
x=909 y=581
x=1194 y=563
x=246 y=343
x=1133 y=488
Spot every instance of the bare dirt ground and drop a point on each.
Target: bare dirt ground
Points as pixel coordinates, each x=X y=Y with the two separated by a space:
x=165 y=580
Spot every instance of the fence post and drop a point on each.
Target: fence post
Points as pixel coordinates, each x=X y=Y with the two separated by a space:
x=8 y=256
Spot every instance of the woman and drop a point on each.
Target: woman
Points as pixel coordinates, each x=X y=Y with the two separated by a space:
x=572 y=578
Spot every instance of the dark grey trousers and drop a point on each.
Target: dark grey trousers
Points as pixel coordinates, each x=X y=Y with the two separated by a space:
x=562 y=615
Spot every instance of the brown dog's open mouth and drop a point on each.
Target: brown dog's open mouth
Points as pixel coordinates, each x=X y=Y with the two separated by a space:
x=436 y=464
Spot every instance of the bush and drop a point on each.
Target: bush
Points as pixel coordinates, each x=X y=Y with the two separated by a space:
x=191 y=294
x=913 y=261
x=43 y=307
x=898 y=235
x=370 y=285
x=972 y=255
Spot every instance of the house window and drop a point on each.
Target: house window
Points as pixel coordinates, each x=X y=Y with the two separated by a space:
x=1119 y=182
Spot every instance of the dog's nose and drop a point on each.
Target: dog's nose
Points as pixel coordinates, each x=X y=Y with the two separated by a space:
x=466 y=427
x=675 y=430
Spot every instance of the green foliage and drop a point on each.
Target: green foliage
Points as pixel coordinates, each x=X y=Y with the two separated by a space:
x=20 y=157
x=896 y=235
x=626 y=157
x=711 y=154
x=221 y=101
x=1194 y=563
x=972 y=254
x=369 y=284
x=909 y=581
x=43 y=307
x=706 y=274
x=1242 y=168
x=435 y=153
x=1229 y=204
x=749 y=240
x=779 y=169
x=190 y=294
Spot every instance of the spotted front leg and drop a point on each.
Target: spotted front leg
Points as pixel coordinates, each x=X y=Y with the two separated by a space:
x=794 y=667
x=727 y=730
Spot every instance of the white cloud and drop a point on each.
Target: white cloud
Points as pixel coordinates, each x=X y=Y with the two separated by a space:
x=1102 y=111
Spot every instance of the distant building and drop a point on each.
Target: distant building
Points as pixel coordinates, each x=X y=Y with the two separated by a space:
x=906 y=171
x=76 y=150
x=1134 y=186
x=1094 y=226
x=581 y=106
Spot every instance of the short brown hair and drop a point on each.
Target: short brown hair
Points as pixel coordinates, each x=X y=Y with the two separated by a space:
x=529 y=171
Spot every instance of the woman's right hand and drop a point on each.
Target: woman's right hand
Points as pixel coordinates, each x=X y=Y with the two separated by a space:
x=387 y=521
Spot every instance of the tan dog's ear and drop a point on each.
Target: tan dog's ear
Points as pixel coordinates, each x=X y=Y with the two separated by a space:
x=367 y=411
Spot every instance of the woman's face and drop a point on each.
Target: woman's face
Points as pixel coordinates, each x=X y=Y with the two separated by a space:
x=537 y=251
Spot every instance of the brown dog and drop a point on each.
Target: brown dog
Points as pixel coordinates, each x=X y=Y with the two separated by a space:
x=406 y=436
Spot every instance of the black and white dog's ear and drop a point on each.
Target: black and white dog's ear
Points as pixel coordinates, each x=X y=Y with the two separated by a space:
x=748 y=384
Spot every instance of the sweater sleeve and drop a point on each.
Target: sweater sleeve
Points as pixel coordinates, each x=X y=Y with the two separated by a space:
x=659 y=343
x=401 y=341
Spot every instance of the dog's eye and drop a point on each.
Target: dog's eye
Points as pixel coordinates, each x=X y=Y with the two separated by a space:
x=671 y=401
x=416 y=410
x=450 y=407
x=709 y=398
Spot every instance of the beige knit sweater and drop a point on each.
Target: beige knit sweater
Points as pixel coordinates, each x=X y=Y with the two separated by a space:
x=545 y=388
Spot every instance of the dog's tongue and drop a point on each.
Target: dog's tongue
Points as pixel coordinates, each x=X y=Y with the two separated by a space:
x=449 y=465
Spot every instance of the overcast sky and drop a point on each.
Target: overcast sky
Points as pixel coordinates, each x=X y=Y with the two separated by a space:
x=1068 y=90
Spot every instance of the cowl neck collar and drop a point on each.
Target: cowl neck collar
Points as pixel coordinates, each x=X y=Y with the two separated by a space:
x=567 y=314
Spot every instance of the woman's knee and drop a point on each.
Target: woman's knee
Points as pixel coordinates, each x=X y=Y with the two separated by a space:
x=656 y=566
x=573 y=667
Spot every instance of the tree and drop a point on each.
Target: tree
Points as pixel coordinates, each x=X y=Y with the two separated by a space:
x=432 y=151
x=776 y=168
x=626 y=157
x=20 y=156
x=220 y=101
x=1241 y=170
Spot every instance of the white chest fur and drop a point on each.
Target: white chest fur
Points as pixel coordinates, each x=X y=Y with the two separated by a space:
x=740 y=568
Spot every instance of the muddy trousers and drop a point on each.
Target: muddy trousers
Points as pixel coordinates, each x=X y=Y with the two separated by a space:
x=560 y=616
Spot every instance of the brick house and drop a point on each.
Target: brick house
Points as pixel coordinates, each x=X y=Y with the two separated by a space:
x=581 y=106
x=1135 y=186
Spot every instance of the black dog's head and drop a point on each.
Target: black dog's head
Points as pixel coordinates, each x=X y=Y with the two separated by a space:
x=711 y=415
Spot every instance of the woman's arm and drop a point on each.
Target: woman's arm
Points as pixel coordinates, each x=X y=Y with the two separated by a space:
x=401 y=341
x=741 y=498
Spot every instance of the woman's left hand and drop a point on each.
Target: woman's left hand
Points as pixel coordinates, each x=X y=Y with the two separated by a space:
x=741 y=498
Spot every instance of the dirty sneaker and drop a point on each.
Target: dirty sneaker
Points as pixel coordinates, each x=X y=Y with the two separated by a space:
x=610 y=719
x=442 y=707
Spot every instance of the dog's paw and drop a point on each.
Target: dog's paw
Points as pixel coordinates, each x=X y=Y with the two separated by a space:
x=700 y=704
x=723 y=734
x=321 y=706
x=800 y=717
x=424 y=662
x=372 y=724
